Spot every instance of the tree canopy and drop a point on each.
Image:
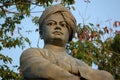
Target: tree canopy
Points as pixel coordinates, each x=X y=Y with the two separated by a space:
x=88 y=45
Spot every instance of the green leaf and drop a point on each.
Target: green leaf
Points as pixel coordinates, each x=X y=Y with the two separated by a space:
x=36 y=20
x=91 y=24
x=27 y=40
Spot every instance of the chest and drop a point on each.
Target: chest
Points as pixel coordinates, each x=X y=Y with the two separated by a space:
x=64 y=61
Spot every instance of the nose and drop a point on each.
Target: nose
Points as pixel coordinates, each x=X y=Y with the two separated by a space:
x=57 y=27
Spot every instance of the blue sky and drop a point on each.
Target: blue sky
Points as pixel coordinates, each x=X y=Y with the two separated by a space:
x=97 y=11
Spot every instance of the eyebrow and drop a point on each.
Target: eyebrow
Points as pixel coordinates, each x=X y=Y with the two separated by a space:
x=51 y=20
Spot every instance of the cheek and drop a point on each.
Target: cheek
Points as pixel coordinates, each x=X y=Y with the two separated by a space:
x=47 y=32
x=67 y=34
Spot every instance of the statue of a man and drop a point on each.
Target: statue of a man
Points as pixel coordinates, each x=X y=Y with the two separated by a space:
x=57 y=27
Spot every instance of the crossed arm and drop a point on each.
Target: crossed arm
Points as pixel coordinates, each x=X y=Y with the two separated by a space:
x=35 y=66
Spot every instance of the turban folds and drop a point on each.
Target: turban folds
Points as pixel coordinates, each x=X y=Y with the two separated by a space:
x=67 y=15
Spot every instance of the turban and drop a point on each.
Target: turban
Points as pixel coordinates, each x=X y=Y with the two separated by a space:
x=67 y=15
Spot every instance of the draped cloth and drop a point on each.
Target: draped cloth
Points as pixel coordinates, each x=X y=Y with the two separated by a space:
x=67 y=15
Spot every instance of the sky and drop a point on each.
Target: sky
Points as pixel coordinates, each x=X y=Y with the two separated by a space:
x=97 y=11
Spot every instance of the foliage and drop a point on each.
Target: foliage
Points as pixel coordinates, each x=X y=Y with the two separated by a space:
x=12 y=12
x=88 y=45
x=5 y=72
x=112 y=64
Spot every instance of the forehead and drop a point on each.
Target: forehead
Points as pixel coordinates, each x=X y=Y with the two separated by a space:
x=55 y=17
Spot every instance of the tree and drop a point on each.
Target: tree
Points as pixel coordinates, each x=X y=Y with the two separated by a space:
x=88 y=45
x=12 y=12
x=111 y=47
x=92 y=49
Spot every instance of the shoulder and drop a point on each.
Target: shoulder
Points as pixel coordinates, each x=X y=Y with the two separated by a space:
x=31 y=52
x=30 y=56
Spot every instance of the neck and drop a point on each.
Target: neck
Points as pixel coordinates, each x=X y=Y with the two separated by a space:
x=54 y=48
x=55 y=42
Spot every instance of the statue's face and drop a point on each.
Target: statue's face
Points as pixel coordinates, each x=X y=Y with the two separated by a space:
x=55 y=28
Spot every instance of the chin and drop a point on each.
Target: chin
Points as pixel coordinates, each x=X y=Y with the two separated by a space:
x=57 y=39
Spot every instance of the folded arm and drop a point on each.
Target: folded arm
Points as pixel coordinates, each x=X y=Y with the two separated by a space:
x=34 y=65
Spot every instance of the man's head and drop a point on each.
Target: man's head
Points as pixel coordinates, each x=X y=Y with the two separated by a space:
x=66 y=14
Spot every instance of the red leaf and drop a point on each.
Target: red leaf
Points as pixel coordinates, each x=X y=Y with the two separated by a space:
x=98 y=25
x=80 y=37
x=118 y=23
x=106 y=30
x=115 y=24
x=74 y=51
x=117 y=32
x=87 y=35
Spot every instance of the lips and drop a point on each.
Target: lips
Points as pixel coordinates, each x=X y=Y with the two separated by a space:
x=58 y=33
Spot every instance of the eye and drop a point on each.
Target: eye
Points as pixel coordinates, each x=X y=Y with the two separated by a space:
x=63 y=24
x=51 y=23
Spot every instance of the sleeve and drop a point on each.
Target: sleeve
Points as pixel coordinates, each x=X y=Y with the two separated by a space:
x=102 y=75
x=34 y=65
x=84 y=70
x=91 y=74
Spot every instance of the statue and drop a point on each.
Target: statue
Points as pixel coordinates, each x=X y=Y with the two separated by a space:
x=57 y=27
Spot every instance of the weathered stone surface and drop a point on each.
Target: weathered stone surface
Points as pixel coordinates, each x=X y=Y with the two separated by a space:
x=57 y=27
